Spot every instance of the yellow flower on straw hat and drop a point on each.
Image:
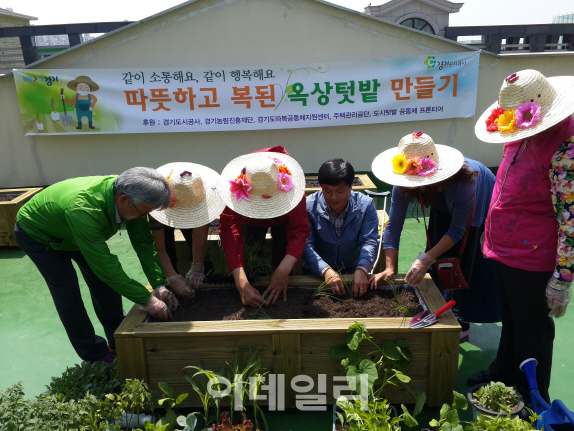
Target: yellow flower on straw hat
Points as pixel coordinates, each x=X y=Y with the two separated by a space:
x=417 y=161
x=528 y=103
x=195 y=196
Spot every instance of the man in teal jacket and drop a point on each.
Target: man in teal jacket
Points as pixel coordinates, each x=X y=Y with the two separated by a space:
x=72 y=220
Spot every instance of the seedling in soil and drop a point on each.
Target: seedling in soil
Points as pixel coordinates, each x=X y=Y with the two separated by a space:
x=325 y=290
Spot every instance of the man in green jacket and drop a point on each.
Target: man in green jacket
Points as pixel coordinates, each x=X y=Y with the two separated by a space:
x=72 y=220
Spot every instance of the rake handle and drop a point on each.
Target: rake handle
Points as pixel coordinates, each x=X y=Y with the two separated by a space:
x=63 y=101
x=445 y=307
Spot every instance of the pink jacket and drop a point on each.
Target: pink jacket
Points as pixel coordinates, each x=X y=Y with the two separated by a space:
x=521 y=227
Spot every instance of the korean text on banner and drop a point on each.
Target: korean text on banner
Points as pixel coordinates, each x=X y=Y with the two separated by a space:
x=143 y=100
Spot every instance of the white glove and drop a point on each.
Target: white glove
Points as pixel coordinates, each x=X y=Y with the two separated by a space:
x=558 y=295
x=419 y=269
x=195 y=275
x=161 y=303
x=178 y=283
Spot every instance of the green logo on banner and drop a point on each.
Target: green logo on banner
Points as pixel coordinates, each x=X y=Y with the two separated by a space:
x=430 y=62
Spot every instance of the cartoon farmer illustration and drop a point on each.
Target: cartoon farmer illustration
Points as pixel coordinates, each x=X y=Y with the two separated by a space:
x=84 y=100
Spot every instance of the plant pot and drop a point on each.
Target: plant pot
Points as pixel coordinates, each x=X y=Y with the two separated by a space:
x=477 y=410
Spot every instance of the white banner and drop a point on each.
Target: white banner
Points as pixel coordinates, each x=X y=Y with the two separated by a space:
x=144 y=100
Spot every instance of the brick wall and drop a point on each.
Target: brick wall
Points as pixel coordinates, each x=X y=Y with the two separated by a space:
x=10 y=49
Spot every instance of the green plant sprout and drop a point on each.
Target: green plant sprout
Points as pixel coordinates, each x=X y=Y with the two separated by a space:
x=325 y=290
x=400 y=306
x=241 y=381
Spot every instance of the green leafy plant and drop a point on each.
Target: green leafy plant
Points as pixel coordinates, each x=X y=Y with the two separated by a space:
x=97 y=378
x=52 y=412
x=207 y=400
x=497 y=397
x=377 y=417
x=449 y=420
x=243 y=381
x=503 y=423
x=380 y=364
x=53 y=104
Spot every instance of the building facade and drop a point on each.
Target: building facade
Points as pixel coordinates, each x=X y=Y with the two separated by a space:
x=10 y=50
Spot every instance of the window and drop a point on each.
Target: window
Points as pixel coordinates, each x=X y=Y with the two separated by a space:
x=418 y=24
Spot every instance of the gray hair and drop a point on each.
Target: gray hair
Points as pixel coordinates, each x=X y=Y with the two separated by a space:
x=144 y=186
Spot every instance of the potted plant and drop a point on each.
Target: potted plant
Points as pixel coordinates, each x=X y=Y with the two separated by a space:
x=494 y=399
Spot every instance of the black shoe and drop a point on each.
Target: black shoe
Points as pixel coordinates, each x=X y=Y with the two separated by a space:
x=483 y=376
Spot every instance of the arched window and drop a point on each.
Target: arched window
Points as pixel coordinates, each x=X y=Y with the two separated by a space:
x=418 y=24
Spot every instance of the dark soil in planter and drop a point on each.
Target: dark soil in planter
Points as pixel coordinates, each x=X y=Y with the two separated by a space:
x=225 y=304
x=313 y=184
x=7 y=197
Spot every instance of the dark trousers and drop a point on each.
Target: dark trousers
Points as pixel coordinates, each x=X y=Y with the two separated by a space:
x=527 y=330
x=256 y=235
x=57 y=269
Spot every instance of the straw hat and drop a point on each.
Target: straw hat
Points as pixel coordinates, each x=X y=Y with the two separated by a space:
x=261 y=174
x=84 y=80
x=519 y=96
x=434 y=162
x=196 y=197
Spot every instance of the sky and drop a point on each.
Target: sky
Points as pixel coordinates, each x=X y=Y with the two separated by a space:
x=474 y=12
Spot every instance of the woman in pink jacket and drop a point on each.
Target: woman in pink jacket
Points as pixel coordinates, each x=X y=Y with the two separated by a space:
x=529 y=228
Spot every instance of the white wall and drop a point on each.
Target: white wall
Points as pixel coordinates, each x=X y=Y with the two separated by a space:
x=245 y=33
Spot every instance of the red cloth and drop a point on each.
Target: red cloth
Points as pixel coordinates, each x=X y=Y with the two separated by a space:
x=231 y=232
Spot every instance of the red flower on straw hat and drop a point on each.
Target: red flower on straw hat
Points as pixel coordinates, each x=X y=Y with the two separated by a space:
x=492 y=120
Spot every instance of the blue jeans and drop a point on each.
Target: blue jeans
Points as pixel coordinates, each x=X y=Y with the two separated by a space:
x=57 y=269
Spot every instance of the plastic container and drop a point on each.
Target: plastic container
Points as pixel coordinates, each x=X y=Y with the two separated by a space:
x=477 y=410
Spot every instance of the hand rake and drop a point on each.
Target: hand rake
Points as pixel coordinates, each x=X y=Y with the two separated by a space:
x=66 y=119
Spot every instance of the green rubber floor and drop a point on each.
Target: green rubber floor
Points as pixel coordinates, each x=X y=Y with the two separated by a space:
x=35 y=346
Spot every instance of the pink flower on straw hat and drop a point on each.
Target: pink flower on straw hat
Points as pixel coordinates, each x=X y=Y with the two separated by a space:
x=284 y=181
x=426 y=167
x=240 y=188
x=527 y=115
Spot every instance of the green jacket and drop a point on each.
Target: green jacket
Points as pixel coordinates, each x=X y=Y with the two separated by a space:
x=79 y=214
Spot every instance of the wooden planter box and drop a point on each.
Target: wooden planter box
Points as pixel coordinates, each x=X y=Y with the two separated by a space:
x=158 y=352
x=367 y=184
x=8 y=211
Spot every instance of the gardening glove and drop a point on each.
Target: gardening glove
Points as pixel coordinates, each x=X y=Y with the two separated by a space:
x=195 y=275
x=157 y=309
x=558 y=295
x=419 y=269
x=181 y=288
x=166 y=296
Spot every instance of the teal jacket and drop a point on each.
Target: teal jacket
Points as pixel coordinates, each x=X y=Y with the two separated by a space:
x=79 y=214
